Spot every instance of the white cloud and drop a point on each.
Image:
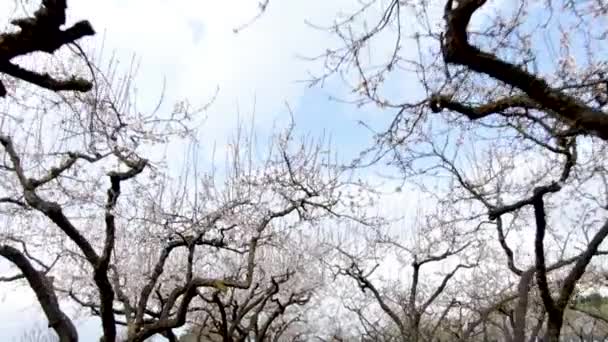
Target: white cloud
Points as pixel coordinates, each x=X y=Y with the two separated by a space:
x=193 y=45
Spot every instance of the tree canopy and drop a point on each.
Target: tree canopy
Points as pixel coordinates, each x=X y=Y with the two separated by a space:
x=501 y=134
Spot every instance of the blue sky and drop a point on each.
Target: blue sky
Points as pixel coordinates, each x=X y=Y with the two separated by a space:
x=191 y=46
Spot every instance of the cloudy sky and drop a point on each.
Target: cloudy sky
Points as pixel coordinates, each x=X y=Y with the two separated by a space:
x=191 y=46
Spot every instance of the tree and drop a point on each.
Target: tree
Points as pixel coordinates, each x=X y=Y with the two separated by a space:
x=42 y=33
x=506 y=118
x=504 y=130
x=258 y=315
x=132 y=241
x=274 y=308
x=416 y=308
x=179 y=232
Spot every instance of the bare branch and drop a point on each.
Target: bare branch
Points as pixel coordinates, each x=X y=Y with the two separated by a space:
x=439 y=102
x=45 y=293
x=457 y=50
x=42 y=32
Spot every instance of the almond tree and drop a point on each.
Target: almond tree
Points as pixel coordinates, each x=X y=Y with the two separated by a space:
x=504 y=117
x=260 y=314
x=417 y=297
x=142 y=252
x=42 y=32
x=95 y=212
x=277 y=305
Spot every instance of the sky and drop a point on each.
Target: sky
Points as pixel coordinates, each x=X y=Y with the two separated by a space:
x=190 y=46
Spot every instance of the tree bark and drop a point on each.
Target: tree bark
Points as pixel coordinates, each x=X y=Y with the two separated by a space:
x=45 y=293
